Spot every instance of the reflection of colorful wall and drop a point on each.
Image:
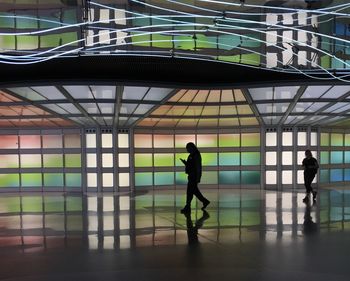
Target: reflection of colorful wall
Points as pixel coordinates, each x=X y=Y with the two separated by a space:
x=36 y=161
x=227 y=158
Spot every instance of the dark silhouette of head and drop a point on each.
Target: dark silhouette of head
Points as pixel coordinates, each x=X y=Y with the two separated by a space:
x=308 y=153
x=191 y=148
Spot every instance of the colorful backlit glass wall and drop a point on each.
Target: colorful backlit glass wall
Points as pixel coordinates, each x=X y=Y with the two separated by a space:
x=228 y=158
x=334 y=157
x=41 y=160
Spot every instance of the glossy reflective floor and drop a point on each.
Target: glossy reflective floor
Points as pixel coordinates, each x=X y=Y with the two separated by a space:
x=244 y=235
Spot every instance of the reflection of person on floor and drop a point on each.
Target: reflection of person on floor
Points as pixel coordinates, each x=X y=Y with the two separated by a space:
x=193 y=166
x=310 y=165
x=309 y=227
x=192 y=230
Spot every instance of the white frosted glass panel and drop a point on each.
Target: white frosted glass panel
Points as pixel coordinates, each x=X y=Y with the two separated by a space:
x=123 y=140
x=287 y=138
x=90 y=140
x=271 y=139
x=92 y=180
x=92 y=204
x=301 y=138
x=315 y=91
x=271 y=158
x=300 y=177
x=108 y=204
x=123 y=160
x=301 y=156
x=285 y=92
x=107 y=140
x=107 y=160
x=107 y=179
x=287 y=177
x=313 y=139
x=271 y=177
x=124 y=179
x=91 y=160
x=287 y=158
x=261 y=93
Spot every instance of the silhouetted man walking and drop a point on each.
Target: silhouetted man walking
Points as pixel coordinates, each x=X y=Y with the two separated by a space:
x=310 y=165
x=194 y=171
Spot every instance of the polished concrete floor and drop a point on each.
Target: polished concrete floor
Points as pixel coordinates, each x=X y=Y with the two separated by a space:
x=244 y=235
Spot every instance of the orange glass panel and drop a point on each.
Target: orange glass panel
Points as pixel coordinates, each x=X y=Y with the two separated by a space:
x=239 y=95
x=177 y=96
x=162 y=110
x=214 y=96
x=227 y=96
x=193 y=111
x=201 y=96
x=177 y=110
x=7 y=111
x=62 y=122
x=189 y=96
x=148 y=122
x=187 y=123
x=4 y=97
x=167 y=123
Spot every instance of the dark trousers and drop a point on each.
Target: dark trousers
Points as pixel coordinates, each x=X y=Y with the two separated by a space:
x=192 y=189
x=308 y=178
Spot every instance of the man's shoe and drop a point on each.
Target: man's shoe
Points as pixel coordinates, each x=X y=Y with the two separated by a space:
x=306 y=199
x=205 y=204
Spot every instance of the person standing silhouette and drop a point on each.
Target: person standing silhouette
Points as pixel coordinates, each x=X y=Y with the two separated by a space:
x=193 y=169
x=310 y=165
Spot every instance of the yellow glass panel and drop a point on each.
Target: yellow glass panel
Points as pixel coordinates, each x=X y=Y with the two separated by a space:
x=211 y=110
x=193 y=111
x=163 y=109
x=201 y=96
x=187 y=123
x=239 y=95
x=177 y=96
x=148 y=122
x=177 y=110
x=228 y=110
x=227 y=96
x=226 y=122
x=244 y=109
x=249 y=121
x=208 y=122
x=214 y=96
x=167 y=122
x=189 y=96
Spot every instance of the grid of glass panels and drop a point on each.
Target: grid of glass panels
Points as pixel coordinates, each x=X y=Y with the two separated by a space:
x=335 y=157
x=228 y=159
x=285 y=151
x=41 y=160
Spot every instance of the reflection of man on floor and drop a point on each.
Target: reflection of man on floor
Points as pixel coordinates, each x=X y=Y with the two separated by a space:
x=309 y=226
x=192 y=230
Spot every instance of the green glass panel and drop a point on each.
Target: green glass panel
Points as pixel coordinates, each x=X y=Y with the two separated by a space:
x=164 y=178
x=251 y=139
x=53 y=179
x=53 y=160
x=33 y=180
x=229 y=140
x=347 y=140
x=32 y=204
x=164 y=160
x=336 y=175
x=209 y=159
x=54 y=40
x=10 y=204
x=164 y=41
x=250 y=177
x=324 y=176
x=143 y=160
x=74 y=204
x=27 y=42
x=326 y=62
x=206 y=42
x=346 y=174
x=140 y=40
x=178 y=162
x=73 y=160
x=324 y=139
x=180 y=178
x=9 y=180
x=336 y=157
x=229 y=177
x=347 y=157
x=227 y=42
x=209 y=177
x=8 y=42
x=184 y=43
x=7 y=22
x=143 y=179
x=337 y=140
x=229 y=159
x=26 y=23
x=250 y=218
x=54 y=204
x=250 y=158
x=70 y=16
x=73 y=180
x=324 y=157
